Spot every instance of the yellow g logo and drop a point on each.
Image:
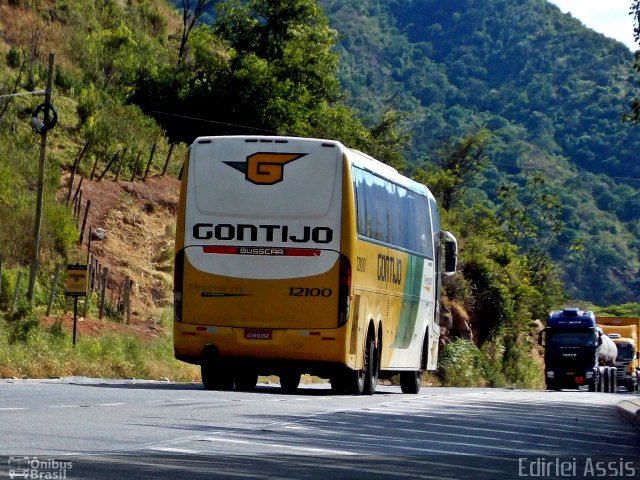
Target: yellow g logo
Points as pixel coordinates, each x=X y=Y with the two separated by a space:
x=265 y=168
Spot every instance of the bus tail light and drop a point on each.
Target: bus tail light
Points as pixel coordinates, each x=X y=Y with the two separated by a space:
x=344 y=290
x=178 y=273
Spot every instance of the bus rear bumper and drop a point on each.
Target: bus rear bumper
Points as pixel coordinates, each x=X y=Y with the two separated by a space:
x=264 y=348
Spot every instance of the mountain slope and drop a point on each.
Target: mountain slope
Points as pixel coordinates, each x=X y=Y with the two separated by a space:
x=552 y=91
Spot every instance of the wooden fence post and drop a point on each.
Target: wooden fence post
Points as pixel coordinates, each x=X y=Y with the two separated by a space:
x=87 y=298
x=113 y=159
x=78 y=208
x=75 y=168
x=120 y=165
x=103 y=289
x=166 y=162
x=84 y=221
x=151 y=155
x=95 y=166
x=135 y=166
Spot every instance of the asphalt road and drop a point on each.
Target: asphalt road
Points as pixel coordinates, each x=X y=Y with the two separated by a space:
x=81 y=428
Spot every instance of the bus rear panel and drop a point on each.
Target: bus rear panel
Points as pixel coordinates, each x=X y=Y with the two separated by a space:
x=260 y=260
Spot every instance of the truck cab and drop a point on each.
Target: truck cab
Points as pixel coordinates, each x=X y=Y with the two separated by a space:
x=576 y=352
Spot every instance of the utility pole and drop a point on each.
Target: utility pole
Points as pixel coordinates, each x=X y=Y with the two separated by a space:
x=39 y=200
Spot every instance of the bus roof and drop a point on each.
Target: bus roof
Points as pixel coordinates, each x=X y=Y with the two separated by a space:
x=356 y=157
x=383 y=170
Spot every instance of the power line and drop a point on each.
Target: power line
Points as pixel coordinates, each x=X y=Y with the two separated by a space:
x=210 y=121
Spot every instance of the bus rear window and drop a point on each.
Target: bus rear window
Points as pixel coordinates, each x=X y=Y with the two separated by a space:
x=305 y=187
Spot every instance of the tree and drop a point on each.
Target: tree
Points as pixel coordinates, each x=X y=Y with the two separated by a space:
x=456 y=164
x=531 y=219
x=264 y=67
x=190 y=19
x=634 y=10
x=283 y=64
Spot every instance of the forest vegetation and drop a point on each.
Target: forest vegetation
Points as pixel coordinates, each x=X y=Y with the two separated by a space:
x=511 y=112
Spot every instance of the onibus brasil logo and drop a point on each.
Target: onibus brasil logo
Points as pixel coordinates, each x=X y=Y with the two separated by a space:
x=265 y=168
x=39 y=468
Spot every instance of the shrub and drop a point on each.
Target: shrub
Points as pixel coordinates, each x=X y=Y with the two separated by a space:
x=14 y=58
x=461 y=364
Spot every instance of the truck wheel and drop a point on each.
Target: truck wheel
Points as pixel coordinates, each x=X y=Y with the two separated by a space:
x=614 y=379
x=613 y=382
x=628 y=384
x=593 y=385
x=601 y=376
x=607 y=372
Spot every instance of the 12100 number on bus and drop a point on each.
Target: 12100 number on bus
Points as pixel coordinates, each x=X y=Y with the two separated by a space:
x=309 y=292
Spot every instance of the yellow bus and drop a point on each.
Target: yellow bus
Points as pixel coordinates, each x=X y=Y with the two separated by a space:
x=298 y=255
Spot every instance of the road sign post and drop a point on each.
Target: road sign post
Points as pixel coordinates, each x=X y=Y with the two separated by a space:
x=76 y=286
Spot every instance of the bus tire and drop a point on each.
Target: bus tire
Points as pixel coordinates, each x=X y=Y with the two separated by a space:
x=289 y=382
x=410 y=381
x=215 y=378
x=359 y=382
x=246 y=381
x=349 y=382
x=371 y=368
x=338 y=384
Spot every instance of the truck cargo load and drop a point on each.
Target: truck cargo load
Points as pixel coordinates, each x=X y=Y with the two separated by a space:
x=577 y=352
x=623 y=331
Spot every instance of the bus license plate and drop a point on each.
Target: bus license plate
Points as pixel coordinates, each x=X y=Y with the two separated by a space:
x=258 y=334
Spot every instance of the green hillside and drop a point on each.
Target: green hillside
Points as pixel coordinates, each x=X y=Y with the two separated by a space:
x=477 y=109
x=552 y=93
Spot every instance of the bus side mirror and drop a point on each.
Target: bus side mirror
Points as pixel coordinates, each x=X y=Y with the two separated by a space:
x=450 y=252
x=540 y=341
x=599 y=339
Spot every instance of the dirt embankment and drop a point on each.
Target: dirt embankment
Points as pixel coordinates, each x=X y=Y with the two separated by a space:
x=138 y=219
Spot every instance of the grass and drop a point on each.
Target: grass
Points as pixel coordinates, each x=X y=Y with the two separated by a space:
x=28 y=350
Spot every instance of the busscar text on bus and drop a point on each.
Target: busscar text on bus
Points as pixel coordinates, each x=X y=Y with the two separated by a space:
x=298 y=255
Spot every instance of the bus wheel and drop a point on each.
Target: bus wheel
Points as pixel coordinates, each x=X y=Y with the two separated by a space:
x=289 y=382
x=410 y=381
x=215 y=378
x=350 y=382
x=338 y=384
x=246 y=381
x=371 y=368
